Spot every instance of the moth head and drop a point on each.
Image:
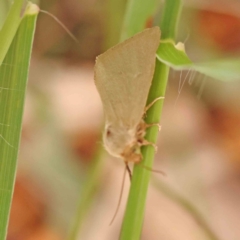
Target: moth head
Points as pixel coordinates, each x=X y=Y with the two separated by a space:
x=118 y=138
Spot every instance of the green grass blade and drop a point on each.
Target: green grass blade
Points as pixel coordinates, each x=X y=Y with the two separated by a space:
x=134 y=215
x=4 y=7
x=224 y=70
x=10 y=26
x=175 y=57
x=90 y=187
x=13 y=80
x=137 y=15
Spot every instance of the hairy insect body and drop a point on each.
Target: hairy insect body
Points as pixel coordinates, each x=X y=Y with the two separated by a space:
x=123 y=77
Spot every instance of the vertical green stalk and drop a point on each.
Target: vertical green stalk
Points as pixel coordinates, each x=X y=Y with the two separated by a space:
x=13 y=80
x=114 y=11
x=134 y=214
x=137 y=15
x=90 y=187
x=170 y=18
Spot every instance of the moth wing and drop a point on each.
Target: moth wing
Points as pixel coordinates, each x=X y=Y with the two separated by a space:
x=123 y=76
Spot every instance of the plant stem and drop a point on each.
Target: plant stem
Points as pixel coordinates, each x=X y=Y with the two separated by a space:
x=171 y=13
x=90 y=188
x=134 y=214
x=138 y=13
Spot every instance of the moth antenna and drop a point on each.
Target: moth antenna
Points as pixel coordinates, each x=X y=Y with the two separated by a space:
x=62 y=25
x=154 y=170
x=120 y=197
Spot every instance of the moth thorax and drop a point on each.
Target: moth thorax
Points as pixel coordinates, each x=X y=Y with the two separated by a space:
x=118 y=138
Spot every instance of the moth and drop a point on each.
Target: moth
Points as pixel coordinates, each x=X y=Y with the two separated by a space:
x=123 y=76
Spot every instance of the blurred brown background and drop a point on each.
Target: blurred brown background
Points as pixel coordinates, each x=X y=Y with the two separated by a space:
x=199 y=145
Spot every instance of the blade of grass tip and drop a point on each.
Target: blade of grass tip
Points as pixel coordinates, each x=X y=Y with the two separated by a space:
x=10 y=26
x=13 y=80
x=134 y=214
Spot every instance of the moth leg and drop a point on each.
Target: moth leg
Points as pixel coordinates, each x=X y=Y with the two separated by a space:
x=147 y=143
x=148 y=125
x=129 y=171
x=151 y=104
x=154 y=170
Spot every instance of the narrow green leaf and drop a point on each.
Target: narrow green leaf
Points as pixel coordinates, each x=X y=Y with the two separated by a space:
x=10 y=26
x=4 y=8
x=173 y=55
x=176 y=57
x=90 y=187
x=13 y=80
x=224 y=70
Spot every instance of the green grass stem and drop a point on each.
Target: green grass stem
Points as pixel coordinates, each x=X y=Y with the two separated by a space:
x=134 y=214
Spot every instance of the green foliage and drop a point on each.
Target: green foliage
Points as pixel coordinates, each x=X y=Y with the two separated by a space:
x=10 y=26
x=175 y=57
x=134 y=215
x=13 y=80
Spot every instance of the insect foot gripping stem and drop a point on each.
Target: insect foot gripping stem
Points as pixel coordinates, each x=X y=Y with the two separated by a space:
x=152 y=103
x=148 y=125
x=141 y=131
x=129 y=171
x=132 y=154
x=147 y=143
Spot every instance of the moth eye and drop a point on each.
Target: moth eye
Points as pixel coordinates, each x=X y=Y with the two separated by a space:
x=108 y=133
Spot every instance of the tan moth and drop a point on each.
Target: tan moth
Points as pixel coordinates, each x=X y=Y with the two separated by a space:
x=123 y=76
